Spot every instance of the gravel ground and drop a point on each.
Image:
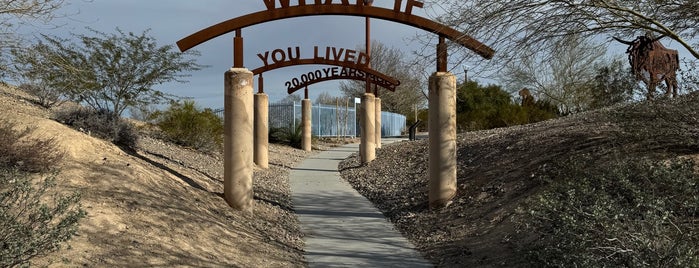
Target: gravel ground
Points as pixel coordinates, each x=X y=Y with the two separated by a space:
x=495 y=171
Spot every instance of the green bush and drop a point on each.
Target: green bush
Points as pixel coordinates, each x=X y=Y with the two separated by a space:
x=30 y=226
x=291 y=135
x=630 y=213
x=484 y=107
x=21 y=152
x=187 y=125
x=101 y=123
x=34 y=218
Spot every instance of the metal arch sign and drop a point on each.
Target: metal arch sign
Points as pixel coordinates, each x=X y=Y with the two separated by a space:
x=356 y=61
x=400 y=13
x=336 y=73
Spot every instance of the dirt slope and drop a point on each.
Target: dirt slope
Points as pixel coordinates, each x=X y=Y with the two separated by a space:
x=495 y=174
x=162 y=206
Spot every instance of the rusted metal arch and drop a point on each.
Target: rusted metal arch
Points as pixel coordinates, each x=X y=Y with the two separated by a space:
x=342 y=10
x=385 y=84
x=319 y=61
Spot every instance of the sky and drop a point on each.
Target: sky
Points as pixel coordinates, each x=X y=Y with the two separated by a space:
x=172 y=20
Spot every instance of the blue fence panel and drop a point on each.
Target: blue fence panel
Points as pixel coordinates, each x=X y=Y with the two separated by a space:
x=329 y=120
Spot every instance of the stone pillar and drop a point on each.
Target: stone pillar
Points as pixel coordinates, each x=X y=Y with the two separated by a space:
x=442 y=139
x=262 y=130
x=238 y=139
x=306 y=143
x=368 y=147
x=377 y=140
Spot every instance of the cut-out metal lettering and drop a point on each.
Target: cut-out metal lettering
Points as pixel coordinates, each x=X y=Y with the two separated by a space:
x=337 y=73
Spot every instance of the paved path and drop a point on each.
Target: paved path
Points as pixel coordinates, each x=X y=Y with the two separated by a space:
x=342 y=228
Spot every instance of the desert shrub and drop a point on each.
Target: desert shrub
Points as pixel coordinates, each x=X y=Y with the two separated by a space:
x=101 y=123
x=18 y=150
x=484 y=107
x=630 y=213
x=34 y=218
x=46 y=96
x=291 y=135
x=186 y=125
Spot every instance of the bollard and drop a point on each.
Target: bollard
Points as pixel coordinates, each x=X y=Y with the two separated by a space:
x=306 y=141
x=367 y=148
x=238 y=139
x=442 y=139
x=261 y=156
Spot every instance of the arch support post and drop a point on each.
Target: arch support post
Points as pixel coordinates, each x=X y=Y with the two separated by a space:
x=377 y=134
x=262 y=130
x=306 y=140
x=442 y=139
x=238 y=139
x=367 y=148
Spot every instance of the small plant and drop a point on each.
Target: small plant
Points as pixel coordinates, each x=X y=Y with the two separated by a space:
x=629 y=213
x=187 y=125
x=291 y=135
x=19 y=151
x=34 y=218
x=103 y=124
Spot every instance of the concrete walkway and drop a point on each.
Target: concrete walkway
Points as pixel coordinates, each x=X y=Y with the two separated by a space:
x=342 y=228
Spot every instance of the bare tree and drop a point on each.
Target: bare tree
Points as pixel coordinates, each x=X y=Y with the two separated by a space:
x=563 y=74
x=517 y=29
x=392 y=62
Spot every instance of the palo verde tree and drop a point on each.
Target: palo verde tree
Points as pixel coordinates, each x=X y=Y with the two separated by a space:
x=516 y=28
x=16 y=13
x=108 y=72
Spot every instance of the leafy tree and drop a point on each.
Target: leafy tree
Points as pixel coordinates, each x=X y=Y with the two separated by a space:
x=613 y=83
x=485 y=107
x=392 y=62
x=109 y=71
x=517 y=28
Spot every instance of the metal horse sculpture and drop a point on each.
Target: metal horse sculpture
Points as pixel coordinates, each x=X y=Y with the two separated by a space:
x=652 y=63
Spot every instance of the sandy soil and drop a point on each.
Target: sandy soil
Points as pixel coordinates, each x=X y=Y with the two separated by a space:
x=162 y=205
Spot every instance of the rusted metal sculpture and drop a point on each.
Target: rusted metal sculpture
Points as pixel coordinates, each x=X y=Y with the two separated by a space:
x=336 y=73
x=651 y=62
x=527 y=98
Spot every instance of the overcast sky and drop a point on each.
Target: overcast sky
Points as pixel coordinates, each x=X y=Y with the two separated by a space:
x=172 y=20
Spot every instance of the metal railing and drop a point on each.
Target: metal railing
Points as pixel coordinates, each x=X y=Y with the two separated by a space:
x=329 y=120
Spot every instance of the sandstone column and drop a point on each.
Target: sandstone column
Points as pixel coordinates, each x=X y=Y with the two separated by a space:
x=377 y=140
x=238 y=140
x=306 y=125
x=262 y=130
x=368 y=147
x=442 y=139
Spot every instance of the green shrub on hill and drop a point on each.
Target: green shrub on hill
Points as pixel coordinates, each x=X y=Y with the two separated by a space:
x=186 y=125
x=34 y=217
x=625 y=213
x=21 y=152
